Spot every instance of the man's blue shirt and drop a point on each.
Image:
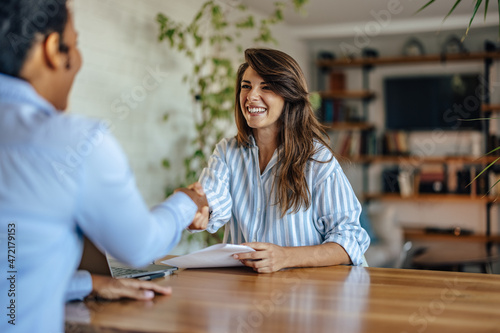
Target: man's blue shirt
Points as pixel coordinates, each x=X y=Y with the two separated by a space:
x=62 y=176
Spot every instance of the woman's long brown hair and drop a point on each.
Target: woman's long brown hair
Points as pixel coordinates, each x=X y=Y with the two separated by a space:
x=299 y=128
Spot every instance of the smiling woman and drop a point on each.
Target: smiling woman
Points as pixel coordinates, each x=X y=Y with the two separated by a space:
x=277 y=182
x=260 y=106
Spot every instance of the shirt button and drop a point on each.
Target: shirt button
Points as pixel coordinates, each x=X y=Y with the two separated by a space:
x=254 y=240
x=258 y=210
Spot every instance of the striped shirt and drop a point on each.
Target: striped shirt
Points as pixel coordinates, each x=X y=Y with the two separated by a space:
x=239 y=194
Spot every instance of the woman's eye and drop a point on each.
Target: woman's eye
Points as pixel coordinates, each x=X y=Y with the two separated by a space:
x=266 y=88
x=245 y=86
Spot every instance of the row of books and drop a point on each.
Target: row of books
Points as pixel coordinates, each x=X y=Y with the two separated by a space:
x=395 y=143
x=333 y=110
x=354 y=143
x=436 y=178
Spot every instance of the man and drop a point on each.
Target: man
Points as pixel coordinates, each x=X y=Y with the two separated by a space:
x=62 y=177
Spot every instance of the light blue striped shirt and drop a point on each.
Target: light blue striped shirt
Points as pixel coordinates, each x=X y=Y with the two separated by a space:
x=239 y=194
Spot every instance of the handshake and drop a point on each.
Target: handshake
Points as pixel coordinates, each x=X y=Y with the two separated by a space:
x=195 y=192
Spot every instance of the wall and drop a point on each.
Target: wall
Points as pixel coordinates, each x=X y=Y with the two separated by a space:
x=466 y=215
x=131 y=80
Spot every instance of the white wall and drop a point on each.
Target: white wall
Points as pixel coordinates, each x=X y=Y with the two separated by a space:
x=118 y=40
x=468 y=215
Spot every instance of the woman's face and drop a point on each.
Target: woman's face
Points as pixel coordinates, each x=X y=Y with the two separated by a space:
x=260 y=106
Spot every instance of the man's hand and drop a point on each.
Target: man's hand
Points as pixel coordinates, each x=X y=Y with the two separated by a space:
x=112 y=289
x=195 y=192
x=267 y=257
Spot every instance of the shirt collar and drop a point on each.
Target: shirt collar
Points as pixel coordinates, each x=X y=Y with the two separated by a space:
x=16 y=90
x=274 y=158
x=253 y=144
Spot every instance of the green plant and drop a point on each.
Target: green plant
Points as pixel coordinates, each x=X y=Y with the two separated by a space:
x=476 y=8
x=209 y=42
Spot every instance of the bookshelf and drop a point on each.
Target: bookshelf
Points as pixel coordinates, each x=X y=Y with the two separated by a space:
x=397 y=158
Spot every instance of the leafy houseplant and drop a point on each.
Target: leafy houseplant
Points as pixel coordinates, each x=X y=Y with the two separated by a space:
x=476 y=8
x=208 y=42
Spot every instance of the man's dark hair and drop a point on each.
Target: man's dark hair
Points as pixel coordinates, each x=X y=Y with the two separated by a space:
x=22 y=22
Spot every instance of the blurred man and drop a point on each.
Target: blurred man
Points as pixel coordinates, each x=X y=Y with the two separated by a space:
x=62 y=177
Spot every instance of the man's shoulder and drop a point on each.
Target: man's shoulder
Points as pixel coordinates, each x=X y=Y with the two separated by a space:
x=75 y=121
x=72 y=127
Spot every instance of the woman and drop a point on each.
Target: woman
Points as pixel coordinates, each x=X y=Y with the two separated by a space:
x=277 y=182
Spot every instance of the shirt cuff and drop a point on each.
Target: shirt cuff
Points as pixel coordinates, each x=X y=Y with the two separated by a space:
x=352 y=250
x=80 y=286
x=185 y=208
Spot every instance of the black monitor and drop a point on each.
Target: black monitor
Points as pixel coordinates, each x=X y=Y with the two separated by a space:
x=421 y=103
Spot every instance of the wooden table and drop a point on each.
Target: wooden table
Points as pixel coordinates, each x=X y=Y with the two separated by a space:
x=328 y=299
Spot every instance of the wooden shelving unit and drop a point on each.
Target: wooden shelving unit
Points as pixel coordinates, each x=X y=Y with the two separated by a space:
x=359 y=62
x=416 y=160
x=365 y=95
x=430 y=197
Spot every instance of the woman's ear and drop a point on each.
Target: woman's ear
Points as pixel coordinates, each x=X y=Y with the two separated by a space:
x=54 y=57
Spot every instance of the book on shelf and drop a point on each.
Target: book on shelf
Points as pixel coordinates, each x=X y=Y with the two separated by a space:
x=482 y=182
x=345 y=143
x=466 y=183
x=432 y=178
x=396 y=143
x=390 y=183
x=353 y=143
x=327 y=114
x=355 y=147
x=452 y=177
x=332 y=111
x=494 y=184
x=493 y=142
x=337 y=81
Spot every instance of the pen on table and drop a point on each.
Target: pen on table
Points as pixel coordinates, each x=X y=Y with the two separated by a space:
x=152 y=276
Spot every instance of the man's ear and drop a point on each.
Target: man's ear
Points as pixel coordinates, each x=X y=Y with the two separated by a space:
x=54 y=58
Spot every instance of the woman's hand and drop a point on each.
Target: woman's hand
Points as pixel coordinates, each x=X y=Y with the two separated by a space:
x=267 y=257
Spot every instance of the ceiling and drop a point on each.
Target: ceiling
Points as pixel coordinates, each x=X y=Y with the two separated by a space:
x=326 y=18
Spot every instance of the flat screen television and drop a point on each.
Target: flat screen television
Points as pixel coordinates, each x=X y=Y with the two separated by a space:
x=422 y=103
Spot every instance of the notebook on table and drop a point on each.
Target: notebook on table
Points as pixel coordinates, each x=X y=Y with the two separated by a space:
x=94 y=261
